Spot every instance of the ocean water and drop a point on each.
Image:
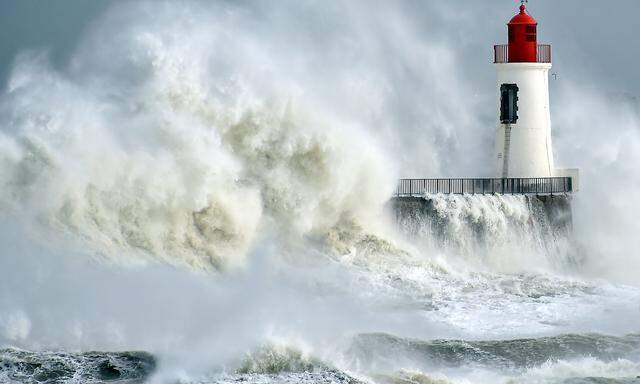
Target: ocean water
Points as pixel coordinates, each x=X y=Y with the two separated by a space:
x=203 y=196
x=385 y=312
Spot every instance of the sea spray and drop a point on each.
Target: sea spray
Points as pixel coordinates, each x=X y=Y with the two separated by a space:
x=182 y=162
x=501 y=232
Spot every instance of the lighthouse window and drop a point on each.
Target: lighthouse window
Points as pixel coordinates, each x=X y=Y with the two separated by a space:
x=508 y=103
x=530 y=32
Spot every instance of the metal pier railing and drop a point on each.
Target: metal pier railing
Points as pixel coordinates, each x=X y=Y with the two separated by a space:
x=509 y=186
x=501 y=53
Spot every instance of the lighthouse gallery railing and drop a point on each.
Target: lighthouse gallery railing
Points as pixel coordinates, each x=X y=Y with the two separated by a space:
x=501 y=53
x=533 y=185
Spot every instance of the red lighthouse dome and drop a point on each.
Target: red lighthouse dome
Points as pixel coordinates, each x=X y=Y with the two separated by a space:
x=523 y=38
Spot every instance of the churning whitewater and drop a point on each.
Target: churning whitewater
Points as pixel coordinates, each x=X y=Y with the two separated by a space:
x=201 y=194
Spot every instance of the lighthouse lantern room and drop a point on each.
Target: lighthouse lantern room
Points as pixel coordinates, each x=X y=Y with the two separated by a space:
x=523 y=41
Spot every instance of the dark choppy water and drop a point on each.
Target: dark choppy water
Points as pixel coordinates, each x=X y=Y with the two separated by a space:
x=375 y=349
x=373 y=356
x=62 y=367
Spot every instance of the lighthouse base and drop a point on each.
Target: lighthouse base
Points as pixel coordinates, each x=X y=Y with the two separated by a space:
x=528 y=227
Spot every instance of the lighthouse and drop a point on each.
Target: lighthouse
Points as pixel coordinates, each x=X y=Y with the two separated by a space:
x=523 y=160
x=523 y=145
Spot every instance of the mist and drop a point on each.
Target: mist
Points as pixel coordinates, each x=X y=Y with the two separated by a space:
x=198 y=179
x=416 y=100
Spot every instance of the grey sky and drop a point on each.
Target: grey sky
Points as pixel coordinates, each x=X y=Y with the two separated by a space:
x=51 y=25
x=599 y=37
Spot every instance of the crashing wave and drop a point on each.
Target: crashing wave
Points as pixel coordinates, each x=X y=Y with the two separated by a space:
x=181 y=163
x=504 y=232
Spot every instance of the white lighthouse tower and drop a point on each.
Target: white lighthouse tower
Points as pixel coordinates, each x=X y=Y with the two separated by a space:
x=523 y=138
